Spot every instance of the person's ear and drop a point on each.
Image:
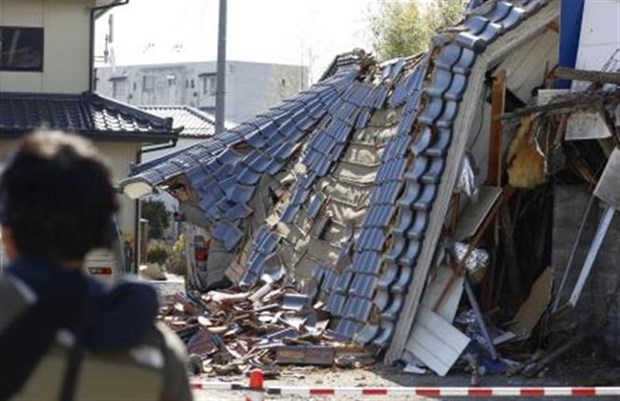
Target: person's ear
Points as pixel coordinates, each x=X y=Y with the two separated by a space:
x=9 y=245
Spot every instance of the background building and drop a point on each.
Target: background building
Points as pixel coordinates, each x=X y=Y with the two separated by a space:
x=250 y=87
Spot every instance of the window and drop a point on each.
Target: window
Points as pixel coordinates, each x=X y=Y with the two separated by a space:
x=209 y=84
x=172 y=80
x=21 y=49
x=148 y=83
x=119 y=88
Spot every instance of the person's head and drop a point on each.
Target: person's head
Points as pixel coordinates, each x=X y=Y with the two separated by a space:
x=56 y=198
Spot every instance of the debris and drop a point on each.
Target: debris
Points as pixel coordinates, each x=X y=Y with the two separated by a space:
x=443 y=294
x=306 y=355
x=153 y=272
x=534 y=306
x=474 y=214
x=467 y=179
x=488 y=342
x=534 y=368
x=607 y=188
x=583 y=125
x=475 y=261
x=435 y=342
x=234 y=330
x=526 y=165
x=415 y=369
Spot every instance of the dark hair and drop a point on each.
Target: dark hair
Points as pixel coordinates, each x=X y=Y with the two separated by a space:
x=56 y=196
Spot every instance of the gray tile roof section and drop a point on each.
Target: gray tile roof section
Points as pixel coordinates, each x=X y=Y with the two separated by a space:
x=86 y=113
x=225 y=179
x=366 y=288
x=195 y=123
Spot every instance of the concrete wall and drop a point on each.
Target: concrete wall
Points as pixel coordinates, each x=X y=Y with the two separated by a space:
x=66 y=30
x=250 y=87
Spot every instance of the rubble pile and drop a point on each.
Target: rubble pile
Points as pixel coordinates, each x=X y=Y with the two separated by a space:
x=231 y=331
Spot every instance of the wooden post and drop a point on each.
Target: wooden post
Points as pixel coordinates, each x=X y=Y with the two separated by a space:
x=498 y=100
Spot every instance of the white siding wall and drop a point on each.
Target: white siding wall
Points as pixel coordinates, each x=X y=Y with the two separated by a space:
x=600 y=35
x=66 y=44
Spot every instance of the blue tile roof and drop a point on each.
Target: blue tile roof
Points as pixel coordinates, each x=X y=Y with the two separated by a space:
x=86 y=113
x=375 y=267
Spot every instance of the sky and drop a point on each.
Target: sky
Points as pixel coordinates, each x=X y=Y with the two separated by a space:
x=308 y=32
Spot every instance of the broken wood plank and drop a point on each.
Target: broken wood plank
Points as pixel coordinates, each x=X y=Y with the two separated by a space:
x=498 y=101
x=306 y=355
x=532 y=309
x=586 y=75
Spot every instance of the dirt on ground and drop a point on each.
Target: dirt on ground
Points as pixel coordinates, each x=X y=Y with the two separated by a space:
x=584 y=367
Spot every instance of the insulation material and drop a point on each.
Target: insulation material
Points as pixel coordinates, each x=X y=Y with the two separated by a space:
x=526 y=165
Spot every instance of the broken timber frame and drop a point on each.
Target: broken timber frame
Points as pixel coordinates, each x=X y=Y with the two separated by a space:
x=462 y=126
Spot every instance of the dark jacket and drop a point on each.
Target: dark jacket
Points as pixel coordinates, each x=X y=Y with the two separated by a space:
x=126 y=355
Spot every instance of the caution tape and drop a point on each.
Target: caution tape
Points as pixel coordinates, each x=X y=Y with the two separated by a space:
x=418 y=391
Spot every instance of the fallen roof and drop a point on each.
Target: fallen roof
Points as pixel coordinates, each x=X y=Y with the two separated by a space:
x=87 y=113
x=374 y=159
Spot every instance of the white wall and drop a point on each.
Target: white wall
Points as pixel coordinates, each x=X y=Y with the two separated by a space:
x=251 y=88
x=600 y=34
x=66 y=25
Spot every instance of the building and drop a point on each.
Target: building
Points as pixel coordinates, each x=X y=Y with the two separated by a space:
x=250 y=87
x=365 y=189
x=45 y=80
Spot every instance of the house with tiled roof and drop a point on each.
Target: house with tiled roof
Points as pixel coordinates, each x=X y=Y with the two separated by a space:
x=347 y=186
x=46 y=81
x=194 y=126
x=361 y=185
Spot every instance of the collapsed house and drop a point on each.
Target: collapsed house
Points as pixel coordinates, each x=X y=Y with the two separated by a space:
x=389 y=190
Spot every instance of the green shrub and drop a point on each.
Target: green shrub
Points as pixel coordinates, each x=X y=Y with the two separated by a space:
x=178 y=260
x=157 y=254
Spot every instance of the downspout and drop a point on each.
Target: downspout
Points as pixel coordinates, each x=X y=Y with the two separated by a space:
x=91 y=50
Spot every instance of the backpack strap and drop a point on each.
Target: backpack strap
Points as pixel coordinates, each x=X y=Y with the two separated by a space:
x=28 y=338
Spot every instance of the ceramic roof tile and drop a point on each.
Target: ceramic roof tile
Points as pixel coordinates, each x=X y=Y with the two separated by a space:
x=379 y=261
x=87 y=113
x=194 y=123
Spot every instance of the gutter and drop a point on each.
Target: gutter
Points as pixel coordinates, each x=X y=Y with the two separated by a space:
x=94 y=13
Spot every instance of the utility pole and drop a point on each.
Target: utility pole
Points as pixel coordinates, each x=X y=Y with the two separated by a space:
x=220 y=95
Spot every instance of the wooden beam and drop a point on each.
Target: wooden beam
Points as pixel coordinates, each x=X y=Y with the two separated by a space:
x=573 y=101
x=498 y=102
x=586 y=75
